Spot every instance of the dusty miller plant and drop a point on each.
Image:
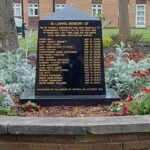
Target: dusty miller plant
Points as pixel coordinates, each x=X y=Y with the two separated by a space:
x=119 y=75
x=15 y=73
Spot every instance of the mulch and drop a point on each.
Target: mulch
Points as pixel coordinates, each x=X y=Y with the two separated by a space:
x=66 y=111
x=70 y=111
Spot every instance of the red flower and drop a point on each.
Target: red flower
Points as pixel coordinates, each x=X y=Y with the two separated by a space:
x=138 y=72
x=142 y=75
x=125 y=108
x=1 y=85
x=146 y=90
x=130 y=99
x=126 y=111
x=29 y=107
x=4 y=91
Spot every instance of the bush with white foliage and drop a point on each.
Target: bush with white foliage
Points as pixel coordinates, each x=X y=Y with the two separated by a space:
x=119 y=75
x=15 y=71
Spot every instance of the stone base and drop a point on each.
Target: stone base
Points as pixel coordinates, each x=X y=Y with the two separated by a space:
x=73 y=100
x=71 y=133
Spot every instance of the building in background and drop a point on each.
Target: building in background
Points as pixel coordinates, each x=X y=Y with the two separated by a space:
x=139 y=10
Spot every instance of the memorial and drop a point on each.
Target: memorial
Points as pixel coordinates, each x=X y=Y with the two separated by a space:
x=70 y=63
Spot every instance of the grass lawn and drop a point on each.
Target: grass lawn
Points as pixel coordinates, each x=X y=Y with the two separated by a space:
x=145 y=32
x=30 y=42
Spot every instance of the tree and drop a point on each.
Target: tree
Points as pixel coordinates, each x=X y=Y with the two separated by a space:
x=8 y=35
x=124 y=24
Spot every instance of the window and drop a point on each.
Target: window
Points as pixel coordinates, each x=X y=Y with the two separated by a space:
x=59 y=6
x=96 y=10
x=33 y=9
x=140 y=15
x=17 y=9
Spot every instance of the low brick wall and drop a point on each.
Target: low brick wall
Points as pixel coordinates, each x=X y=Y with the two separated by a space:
x=133 y=141
x=109 y=133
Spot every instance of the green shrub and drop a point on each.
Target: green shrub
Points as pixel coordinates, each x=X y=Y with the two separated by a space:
x=132 y=40
x=30 y=42
x=6 y=102
x=29 y=106
x=107 y=42
x=8 y=112
x=136 y=105
x=2 y=94
x=141 y=104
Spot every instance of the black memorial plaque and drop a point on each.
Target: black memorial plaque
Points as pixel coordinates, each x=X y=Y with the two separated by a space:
x=70 y=64
x=70 y=58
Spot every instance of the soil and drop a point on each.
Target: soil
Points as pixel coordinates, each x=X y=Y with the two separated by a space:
x=66 y=111
x=70 y=111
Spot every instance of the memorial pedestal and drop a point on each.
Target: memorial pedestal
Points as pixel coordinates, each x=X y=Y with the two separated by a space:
x=70 y=62
x=72 y=100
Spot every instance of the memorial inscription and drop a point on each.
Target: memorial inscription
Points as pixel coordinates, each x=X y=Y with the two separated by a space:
x=70 y=58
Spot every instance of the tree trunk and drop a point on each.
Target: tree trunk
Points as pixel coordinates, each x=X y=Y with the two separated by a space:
x=8 y=34
x=124 y=25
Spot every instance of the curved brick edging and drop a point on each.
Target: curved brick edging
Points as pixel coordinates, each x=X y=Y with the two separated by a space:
x=74 y=126
x=106 y=133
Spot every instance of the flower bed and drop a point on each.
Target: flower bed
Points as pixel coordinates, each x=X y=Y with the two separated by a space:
x=127 y=73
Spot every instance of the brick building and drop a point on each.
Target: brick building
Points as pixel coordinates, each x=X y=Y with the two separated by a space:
x=139 y=10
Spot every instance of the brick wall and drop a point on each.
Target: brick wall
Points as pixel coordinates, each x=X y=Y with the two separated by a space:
x=135 y=141
x=45 y=7
x=26 y=16
x=110 y=11
x=132 y=12
x=84 y=5
x=148 y=14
